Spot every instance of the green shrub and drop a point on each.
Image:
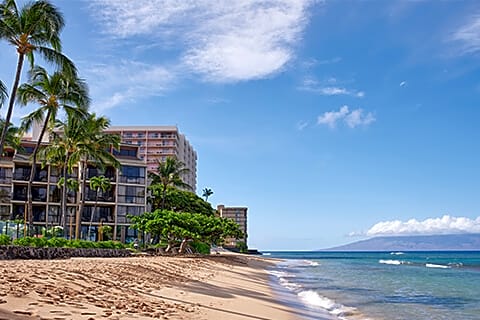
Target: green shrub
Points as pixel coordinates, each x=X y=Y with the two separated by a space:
x=57 y=242
x=200 y=247
x=5 y=240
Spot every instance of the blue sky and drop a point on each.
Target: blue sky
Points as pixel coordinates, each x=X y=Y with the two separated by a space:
x=330 y=120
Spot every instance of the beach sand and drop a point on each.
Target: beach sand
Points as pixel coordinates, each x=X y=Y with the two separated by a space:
x=213 y=287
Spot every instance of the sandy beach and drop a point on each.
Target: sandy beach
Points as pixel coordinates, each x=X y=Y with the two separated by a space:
x=213 y=287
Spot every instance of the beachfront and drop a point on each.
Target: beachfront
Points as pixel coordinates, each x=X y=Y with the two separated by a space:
x=210 y=287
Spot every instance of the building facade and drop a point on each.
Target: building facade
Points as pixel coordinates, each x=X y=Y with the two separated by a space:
x=239 y=215
x=126 y=195
x=156 y=143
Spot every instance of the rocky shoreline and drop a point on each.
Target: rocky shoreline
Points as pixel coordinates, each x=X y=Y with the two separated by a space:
x=22 y=252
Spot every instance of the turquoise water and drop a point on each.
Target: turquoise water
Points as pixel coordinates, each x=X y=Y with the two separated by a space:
x=383 y=285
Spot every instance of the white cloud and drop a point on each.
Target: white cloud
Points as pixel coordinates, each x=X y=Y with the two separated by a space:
x=358 y=118
x=328 y=87
x=127 y=81
x=403 y=83
x=226 y=42
x=468 y=35
x=444 y=225
x=352 y=118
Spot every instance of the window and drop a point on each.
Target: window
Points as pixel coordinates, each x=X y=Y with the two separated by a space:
x=128 y=135
x=99 y=214
x=4 y=212
x=6 y=175
x=54 y=194
x=131 y=174
x=108 y=172
x=129 y=194
x=22 y=173
x=39 y=213
x=127 y=152
x=107 y=196
x=39 y=194
x=140 y=135
x=5 y=194
x=54 y=214
x=20 y=193
x=124 y=211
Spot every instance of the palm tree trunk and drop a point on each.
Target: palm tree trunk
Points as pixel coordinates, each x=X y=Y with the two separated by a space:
x=93 y=213
x=33 y=171
x=64 y=197
x=83 y=176
x=18 y=73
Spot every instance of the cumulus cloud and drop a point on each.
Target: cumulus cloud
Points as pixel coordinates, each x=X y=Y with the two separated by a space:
x=468 y=36
x=444 y=225
x=329 y=87
x=353 y=118
x=226 y=42
x=127 y=81
x=403 y=83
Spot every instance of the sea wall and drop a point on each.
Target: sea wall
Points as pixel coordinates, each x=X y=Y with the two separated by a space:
x=21 y=252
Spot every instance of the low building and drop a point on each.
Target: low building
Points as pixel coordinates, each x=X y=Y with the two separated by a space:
x=239 y=215
x=127 y=194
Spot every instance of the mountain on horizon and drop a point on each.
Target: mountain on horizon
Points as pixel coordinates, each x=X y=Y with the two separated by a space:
x=449 y=242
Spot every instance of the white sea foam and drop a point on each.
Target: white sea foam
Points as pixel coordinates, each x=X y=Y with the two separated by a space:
x=439 y=266
x=314 y=300
x=266 y=254
x=312 y=263
x=396 y=253
x=393 y=262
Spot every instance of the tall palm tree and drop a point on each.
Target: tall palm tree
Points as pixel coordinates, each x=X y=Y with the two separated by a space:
x=207 y=192
x=88 y=143
x=34 y=28
x=53 y=93
x=169 y=173
x=98 y=183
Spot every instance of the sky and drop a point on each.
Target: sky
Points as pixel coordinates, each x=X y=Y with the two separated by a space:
x=332 y=121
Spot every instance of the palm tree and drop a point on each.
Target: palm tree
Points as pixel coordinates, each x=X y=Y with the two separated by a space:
x=88 y=143
x=207 y=192
x=53 y=93
x=169 y=173
x=35 y=28
x=99 y=183
x=13 y=136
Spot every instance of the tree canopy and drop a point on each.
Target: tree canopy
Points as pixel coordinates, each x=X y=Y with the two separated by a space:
x=179 y=200
x=181 y=227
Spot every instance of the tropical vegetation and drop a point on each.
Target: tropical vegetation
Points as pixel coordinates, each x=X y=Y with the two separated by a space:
x=32 y=29
x=77 y=143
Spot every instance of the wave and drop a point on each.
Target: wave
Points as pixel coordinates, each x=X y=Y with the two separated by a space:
x=266 y=254
x=439 y=266
x=393 y=262
x=397 y=253
x=314 y=300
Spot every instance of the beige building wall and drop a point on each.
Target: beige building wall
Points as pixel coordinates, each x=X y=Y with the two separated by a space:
x=156 y=143
x=239 y=215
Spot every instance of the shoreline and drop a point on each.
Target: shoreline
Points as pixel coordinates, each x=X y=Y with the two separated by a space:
x=223 y=286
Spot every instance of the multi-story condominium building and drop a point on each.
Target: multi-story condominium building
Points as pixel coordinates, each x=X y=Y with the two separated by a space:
x=239 y=215
x=127 y=194
x=156 y=143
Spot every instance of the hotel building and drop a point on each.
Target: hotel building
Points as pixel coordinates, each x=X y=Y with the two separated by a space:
x=239 y=215
x=127 y=194
x=156 y=143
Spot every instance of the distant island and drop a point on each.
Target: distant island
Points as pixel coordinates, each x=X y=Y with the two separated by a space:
x=450 y=242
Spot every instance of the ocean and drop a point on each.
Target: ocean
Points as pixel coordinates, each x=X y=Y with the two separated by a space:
x=379 y=285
